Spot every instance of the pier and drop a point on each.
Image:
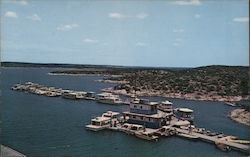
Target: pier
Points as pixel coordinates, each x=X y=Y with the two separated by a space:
x=215 y=139
x=147 y=121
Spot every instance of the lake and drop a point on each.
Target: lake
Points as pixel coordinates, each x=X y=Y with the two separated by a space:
x=47 y=126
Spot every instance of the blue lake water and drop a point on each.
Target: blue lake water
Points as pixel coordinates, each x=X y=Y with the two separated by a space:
x=45 y=126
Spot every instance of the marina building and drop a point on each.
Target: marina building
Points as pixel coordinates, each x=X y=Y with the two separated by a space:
x=145 y=113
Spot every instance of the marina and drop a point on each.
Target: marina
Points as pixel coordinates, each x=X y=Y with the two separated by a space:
x=146 y=122
x=35 y=88
x=39 y=119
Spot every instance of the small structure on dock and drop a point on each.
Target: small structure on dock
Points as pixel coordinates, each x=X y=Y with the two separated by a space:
x=184 y=114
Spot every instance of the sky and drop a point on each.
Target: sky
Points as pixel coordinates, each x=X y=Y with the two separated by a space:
x=170 y=33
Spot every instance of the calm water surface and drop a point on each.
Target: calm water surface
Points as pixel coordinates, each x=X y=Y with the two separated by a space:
x=44 y=126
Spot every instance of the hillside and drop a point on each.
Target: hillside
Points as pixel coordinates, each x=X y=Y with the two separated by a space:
x=223 y=83
x=214 y=80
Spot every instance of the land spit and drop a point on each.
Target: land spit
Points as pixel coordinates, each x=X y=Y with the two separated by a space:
x=241 y=116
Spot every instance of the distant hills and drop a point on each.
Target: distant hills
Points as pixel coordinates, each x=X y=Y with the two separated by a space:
x=57 y=65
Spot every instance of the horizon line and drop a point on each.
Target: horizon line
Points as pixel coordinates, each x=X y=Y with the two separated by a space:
x=113 y=65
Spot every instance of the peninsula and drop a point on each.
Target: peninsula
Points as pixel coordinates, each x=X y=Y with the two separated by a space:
x=214 y=83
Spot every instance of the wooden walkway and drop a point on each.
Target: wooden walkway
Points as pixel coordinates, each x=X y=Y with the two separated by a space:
x=213 y=139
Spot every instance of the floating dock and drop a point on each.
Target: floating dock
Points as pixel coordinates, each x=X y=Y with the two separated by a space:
x=175 y=127
x=38 y=89
x=9 y=152
x=214 y=139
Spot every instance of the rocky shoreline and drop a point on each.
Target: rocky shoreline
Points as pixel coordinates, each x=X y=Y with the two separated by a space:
x=190 y=96
x=209 y=83
x=241 y=116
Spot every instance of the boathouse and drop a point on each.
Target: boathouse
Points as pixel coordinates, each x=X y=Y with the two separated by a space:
x=145 y=113
x=185 y=114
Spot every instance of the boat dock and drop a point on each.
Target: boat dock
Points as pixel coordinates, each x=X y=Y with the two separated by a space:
x=9 y=152
x=38 y=89
x=215 y=139
x=175 y=127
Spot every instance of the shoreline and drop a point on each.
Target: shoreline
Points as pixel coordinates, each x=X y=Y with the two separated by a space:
x=177 y=95
x=159 y=93
x=241 y=116
x=65 y=74
x=112 y=81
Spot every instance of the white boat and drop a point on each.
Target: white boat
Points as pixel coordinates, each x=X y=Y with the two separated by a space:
x=99 y=123
x=230 y=104
x=188 y=136
x=108 y=98
x=52 y=94
x=74 y=95
x=131 y=128
x=111 y=114
x=70 y=95
x=166 y=106
x=90 y=96
x=146 y=135
x=80 y=95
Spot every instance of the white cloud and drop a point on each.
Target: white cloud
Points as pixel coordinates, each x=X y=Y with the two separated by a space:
x=141 y=16
x=187 y=2
x=67 y=27
x=140 y=44
x=241 y=19
x=91 y=41
x=34 y=17
x=178 y=30
x=11 y=14
x=18 y=2
x=116 y=15
x=197 y=16
x=23 y=2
